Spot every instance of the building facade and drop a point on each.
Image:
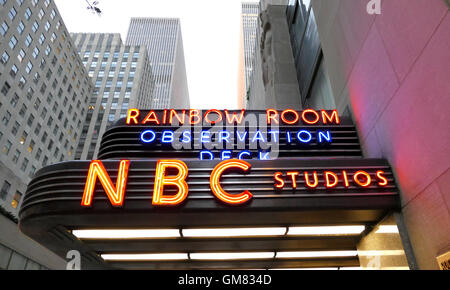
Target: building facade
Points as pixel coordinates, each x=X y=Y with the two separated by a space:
x=45 y=90
x=164 y=43
x=386 y=68
x=273 y=83
x=249 y=18
x=313 y=81
x=122 y=79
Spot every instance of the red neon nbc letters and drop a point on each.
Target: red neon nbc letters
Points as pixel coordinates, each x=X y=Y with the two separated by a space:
x=330 y=179
x=116 y=193
x=311 y=180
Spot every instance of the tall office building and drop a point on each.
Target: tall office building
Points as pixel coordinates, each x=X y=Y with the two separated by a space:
x=247 y=49
x=250 y=12
x=122 y=79
x=162 y=37
x=386 y=71
x=44 y=94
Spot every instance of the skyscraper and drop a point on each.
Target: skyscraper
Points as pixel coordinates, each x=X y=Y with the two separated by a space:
x=250 y=12
x=122 y=77
x=44 y=92
x=162 y=37
x=247 y=50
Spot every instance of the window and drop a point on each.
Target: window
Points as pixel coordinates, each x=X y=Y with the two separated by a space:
x=6 y=118
x=37 y=130
x=20 y=27
x=35 y=26
x=41 y=14
x=35 y=53
x=4 y=28
x=12 y=42
x=41 y=39
x=19 y=2
x=45 y=161
x=23 y=138
x=50 y=145
x=29 y=67
x=22 y=82
x=48 y=49
x=24 y=165
x=28 y=40
x=21 y=55
x=12 y=13
x=49 y=98
x=15 y=128
x=5 y=88
x=43 y=88
x=7 y=147
x=5 y=57
x=42 y=64
x=30 y=120
x=14 y=71
x=31 y=146
x=53 y=38
x=49 y=123
x=16 y=199
x=38 y=153
x=16 y=157
x=14 y=100
x=54 y=60
x=47 y=26
x=44 y=137
x=30 y=93
x=5 y=189
x=22 y=111
x=36 y=77
x=27 y=14
x=32 y=171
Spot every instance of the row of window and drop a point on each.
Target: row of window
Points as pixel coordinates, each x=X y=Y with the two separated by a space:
x=43 y=114
x=11 y=260
x=107 y=54
x=29 y=39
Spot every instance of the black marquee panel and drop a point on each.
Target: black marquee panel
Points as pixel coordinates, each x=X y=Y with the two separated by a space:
x=345 y=142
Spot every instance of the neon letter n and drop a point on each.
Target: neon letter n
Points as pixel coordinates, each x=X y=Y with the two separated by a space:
x=115 y=194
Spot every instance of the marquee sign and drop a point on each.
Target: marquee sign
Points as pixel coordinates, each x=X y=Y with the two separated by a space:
x=172 y=168
x=302 y=179
x=221 y=135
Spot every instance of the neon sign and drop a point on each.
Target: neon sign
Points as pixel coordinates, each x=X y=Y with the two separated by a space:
x=329 y=179
x=172 y=117
x=175 y=173
x=223 y=135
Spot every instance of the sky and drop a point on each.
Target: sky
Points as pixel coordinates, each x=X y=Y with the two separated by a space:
x=210 y=31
